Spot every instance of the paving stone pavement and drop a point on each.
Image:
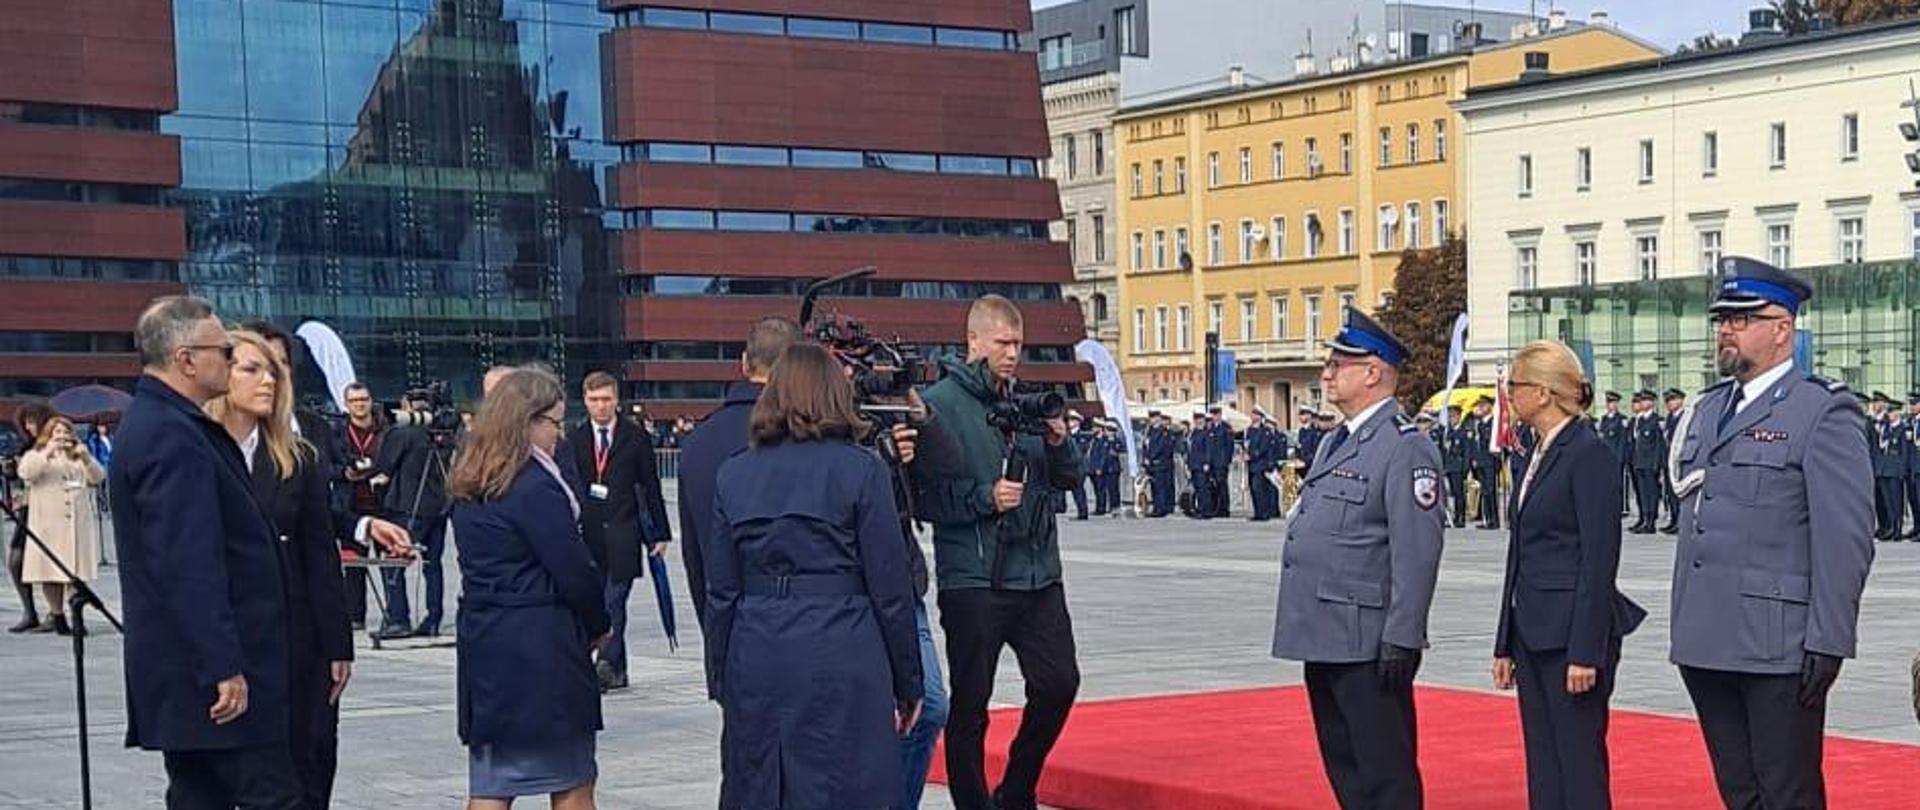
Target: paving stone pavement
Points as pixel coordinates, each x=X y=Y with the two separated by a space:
x=1161 y=606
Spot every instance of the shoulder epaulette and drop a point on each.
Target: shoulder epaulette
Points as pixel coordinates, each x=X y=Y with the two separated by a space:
x=1404 y=424
x=1832 y=386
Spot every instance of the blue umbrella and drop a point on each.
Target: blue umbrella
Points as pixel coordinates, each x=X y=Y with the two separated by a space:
x=87 y=401
x=663 y=594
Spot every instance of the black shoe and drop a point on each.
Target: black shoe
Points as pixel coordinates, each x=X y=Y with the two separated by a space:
x=1001 y=802
x=1670 y=528
x=427 y=629
x=1912 y=535
x=27 y=624
x=391 y=631
x=60 y=626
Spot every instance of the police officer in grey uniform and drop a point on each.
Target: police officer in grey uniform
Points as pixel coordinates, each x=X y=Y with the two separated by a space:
x=1889 y=450
x=1775 y=541
x=1354 y=609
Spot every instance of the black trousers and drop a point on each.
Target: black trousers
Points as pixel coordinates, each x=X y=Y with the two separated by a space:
x=1489 y=478
x=1222 y=493
x=1103 y=501
x=979 y=622
x=355 y=582
x=1265 y=496
x=1668 y=496
x=1457 y=495
x=257 y=778
x=1913 y=499
x=1368 y=737
x=1202 y=482
x=1111 y=484
x=1765 y=747
x=1164 y=502
x=1566 y=735
x=313 y=730
x=1889 y=504
x=1646 y=495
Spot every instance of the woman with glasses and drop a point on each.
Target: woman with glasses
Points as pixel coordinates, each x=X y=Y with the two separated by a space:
x=812 y=650
x=290 y=482
x=1561 y=617
x=532 y=609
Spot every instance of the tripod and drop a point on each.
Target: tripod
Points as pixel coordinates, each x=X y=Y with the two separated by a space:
x=77 y=602
x=438 y=447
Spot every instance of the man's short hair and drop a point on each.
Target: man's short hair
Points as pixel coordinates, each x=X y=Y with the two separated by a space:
x=991 y=310
x=356 y=385
x=767 y=340
x=166 y=325
x=598 y=381
x=268 y=330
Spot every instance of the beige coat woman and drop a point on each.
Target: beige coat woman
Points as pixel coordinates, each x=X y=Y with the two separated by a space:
x=62 y=508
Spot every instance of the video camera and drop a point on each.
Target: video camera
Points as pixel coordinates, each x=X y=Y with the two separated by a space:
x=435 y=412
x=883 y=372
x=1026 y=409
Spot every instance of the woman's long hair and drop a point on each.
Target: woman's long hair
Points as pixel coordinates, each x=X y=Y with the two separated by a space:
x=45 y=437
x=500 y=441
x=808 y=398
x=287 y=448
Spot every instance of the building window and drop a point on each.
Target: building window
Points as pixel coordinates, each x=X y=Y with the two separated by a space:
x=1280 y=319
x=1709 y=154
x=1313 y=317
x=1217 y=317
x=1389 y=223
x=1777 y=146
x=1913 y=230
x=1316 y=237
x=1386 y=146
x=1346 y=301
x=1713 y=245
x=1137 y=186
x=1099 y=238
x=1213 y=170
x=1646 y=161
x=1246 y=165
x=1123 y=34
x=1526 y=175
x=1439 y=139
x=1346 y=153
x=1160 y=328
x=1413 y=225
x=1099 y=140
x=1583 y=169
x=1346 y=232
x=1413 y=143
x=1248 y=312
x=1277 y=239
x=1648 y=250
x=1850 y=137
x=1179 y=175
x=1526 y=264
x=1313 y=157
x=1159 y=178
x=1180 y=249
x=1073 y=158
x=1440 y=223
x=1780 y=244
x=1139 y=329
x=1247 y=241
x=1139 y=251
x=1213 y=244
x=1279 y=160
x=1853 y=239
x=1183 y=327
x=1073 y=239
x=1585 y=262
x=1159 y=249
x=1056 y=52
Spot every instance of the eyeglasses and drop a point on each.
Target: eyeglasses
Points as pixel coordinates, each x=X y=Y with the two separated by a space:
x=541 y=417
x=1340 y=361
x=225 y=349
x=1739 y=321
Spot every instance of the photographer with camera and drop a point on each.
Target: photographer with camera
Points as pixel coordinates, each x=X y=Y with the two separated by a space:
x=415 y=456
x=997 y=555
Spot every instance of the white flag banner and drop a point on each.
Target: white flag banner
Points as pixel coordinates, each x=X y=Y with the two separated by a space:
x=1456 y=365
x=330 y=354
x=1113 y=394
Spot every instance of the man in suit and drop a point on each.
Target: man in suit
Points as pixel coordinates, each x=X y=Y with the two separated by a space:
x=1357 y=574
x=1773 y=465
x=1456 y=447
x=1200 y=465
x=200 y=579
x=622 y=512
x=1265 y=448
x=1889 y=451
x=1913 y=463
x=1483 y=462
x=1099 y=452
x=1159 y=464
x=1647 y=454
x=1613 y=427
x=1676 y=401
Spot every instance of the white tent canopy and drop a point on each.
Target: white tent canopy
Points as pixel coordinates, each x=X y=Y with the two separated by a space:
x=1178 y=411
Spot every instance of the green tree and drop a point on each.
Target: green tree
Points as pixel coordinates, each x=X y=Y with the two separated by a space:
x=1429 y=293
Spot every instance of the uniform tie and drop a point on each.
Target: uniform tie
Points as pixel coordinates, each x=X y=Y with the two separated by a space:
x=1333 y=444
x=1733 y=407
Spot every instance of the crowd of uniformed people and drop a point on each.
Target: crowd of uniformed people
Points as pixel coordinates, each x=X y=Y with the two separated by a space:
x=799 y=513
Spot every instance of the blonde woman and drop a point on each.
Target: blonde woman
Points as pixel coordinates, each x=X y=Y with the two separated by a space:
x=290 y=484
x=1561 y=618
x=532 y=609
x=63 y=510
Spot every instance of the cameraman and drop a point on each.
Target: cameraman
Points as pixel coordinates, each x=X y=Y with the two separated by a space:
x=997 y=562
x=415 y=458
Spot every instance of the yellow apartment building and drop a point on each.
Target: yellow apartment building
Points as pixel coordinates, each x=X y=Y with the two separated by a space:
x=1259 y=212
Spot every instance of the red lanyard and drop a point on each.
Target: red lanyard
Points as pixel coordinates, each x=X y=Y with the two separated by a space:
x=360 y=446
x=600 y=452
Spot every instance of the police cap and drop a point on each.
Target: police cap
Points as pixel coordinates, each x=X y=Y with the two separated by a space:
x=1747 y=285
x=1361 y=337
x=1674 y=393
x=1613 y=396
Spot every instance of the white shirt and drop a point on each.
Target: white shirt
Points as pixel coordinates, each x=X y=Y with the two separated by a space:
x=249 y=446
x=600 y=430
x=1360 y=419
x=1758 y=386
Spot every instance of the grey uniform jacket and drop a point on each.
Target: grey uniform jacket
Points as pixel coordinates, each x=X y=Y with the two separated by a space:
x=1363 y=547
x=1775 y=545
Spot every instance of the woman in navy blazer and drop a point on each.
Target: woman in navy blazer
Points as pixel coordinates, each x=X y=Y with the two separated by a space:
x=812 y=649
x=1561 y=617
x=532 y=607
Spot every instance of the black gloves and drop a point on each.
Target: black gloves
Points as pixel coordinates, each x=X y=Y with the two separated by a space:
x=1816 y=677
x=1398 y=665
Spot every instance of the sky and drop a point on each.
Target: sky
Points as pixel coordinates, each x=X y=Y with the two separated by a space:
x=1667 y=23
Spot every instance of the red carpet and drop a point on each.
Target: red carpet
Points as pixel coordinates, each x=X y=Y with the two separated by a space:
x=1255 y=750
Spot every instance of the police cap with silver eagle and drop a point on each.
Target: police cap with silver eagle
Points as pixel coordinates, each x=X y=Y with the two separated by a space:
x=1747 y=285
x=1362 y=336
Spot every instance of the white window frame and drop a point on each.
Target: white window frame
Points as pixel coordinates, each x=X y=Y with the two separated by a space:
x=1524 y=176
x=1347 y=246
x=1712 y=246
x=1139 y=251
x=1411 y=225
x=1139 y=188
x=1779 y=235
x=1710 y=153
x=1246 y=165
x=1249 y=320
x=1217 y=317
x=1440 y=139
x=1388 y=220
x=1386 y=147
x=1441 y=213
x=1526 y=265
x=1249 y=249
x=1777 y=145
x=1160 y=328
x=1279 y=158
x=1139 y=330
x=1646 y=252
x=1413 y=142
x=1183 y=327
x=1313 y=156
x=1315 y=318
x=1347 y=299
x=1179 y=175
x=1851 y=247
x=1159 y=248
x=1282 y=318
x=1180 y=244
x=1583 y=169
x=1159 y=177
x=1214 y=245
x=1313 y=247
x=1586 y=261
x=1646 y=161
x=1098 y=223
x=1849 y=137
x=1213 y=170
x=1346 y=153
x=1277 y=239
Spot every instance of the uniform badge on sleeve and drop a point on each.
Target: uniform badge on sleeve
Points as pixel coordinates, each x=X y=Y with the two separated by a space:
x=1426 y=487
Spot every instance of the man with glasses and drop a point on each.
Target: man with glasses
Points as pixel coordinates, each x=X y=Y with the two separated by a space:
x=1358 y=570
x=200 y=581
x=1769 y=461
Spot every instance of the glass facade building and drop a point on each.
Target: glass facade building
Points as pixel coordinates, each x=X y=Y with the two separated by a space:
x=1862 y=328
x=427 y=177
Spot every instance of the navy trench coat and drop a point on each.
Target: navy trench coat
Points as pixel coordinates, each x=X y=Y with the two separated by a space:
x=811 y=637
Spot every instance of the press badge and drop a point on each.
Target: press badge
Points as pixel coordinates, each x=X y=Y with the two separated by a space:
x=597 y=491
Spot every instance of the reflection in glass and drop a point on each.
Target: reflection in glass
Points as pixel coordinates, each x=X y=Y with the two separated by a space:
x=889 y=32
x=828 y=159
x=745 y=23
x=901 y=161
x=750 y=155
x=755 y=221
x=680 y=153
x=673 y=18
x=823 y=29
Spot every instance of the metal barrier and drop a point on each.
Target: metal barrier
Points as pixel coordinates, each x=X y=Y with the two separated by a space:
x=667 y=461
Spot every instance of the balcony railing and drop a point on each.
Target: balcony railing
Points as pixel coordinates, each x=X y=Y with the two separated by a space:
x=1274 y=352
x=1084 y=53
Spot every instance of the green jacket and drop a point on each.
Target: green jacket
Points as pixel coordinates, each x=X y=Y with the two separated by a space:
x=968 y=536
